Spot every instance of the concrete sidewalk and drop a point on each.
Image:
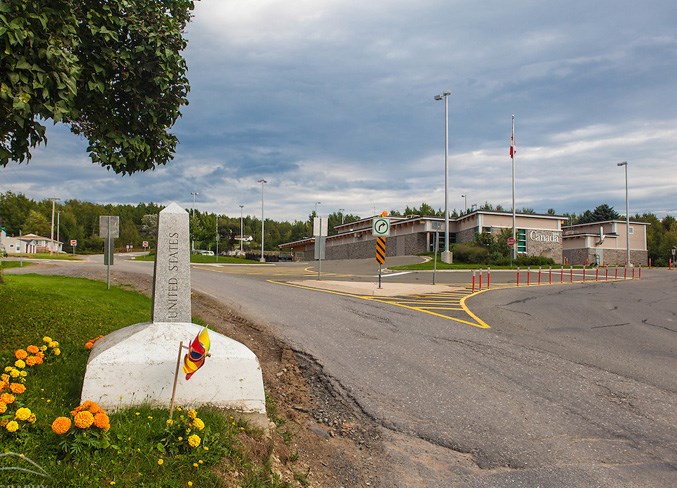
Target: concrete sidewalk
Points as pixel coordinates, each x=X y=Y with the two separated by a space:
x=372 y=289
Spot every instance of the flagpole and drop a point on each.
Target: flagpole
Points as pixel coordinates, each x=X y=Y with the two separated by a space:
x=512 y=156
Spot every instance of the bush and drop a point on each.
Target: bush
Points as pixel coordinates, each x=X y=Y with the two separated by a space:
x=465 y=253
x=533 y=261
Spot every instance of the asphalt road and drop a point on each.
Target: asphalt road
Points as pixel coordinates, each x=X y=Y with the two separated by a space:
x=573 y=385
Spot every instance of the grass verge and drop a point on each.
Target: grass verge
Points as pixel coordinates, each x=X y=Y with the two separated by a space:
x=201 y=259
x=140 y=449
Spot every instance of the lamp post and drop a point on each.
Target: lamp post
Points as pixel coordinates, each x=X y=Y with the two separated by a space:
x=241 y=229
x=446 y=255
x=627 y=215
x=58 y=225
x=342 y=210
x=192 y=218
x=263 y=182
x=465 y=203
x=51 y=234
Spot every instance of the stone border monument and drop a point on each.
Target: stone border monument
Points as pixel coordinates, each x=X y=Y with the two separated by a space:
x=135 y=365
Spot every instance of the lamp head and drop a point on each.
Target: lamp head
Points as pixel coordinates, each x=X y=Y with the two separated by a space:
x=438 y=97
x=624 y=163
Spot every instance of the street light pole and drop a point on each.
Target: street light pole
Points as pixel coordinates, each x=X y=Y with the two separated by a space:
x=465 y=203
x=192 y=218
x=342 y=210
x=263 y=182
x=51 y=234
x=627 y=215
x=316 y=204
x=446 y=255
x=241 y=229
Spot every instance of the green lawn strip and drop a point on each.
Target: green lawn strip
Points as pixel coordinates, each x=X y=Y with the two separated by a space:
x=44 y=255
x=13 y=264
x=72 y=311
x=200 y=259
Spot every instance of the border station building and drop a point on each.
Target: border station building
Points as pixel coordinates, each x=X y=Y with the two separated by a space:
x=604 y=243
x=537 y=235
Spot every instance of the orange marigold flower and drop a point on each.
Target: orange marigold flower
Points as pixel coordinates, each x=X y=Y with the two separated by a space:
x=83 y=419
x=3 y=407
x=20 y=354
x=32 y=349
x=7 y=398
x=30 y=361
x=102 y=421
x=61 y=425
x=89 y=345
x=17 y=388
x=39 y=358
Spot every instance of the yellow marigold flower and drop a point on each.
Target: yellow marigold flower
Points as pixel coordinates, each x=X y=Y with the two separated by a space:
x=19 y=364
x=61 y=425
x=3 y=407
x=32 y=418
x=17 y=388
x=12 y=426
x=192 y=414
x=195 y=465
x=5 y=378
x=102 y=421
x=20 y=354
x=7 y=398
x=198 y=424
x=205 y=448
x=23 y=414
x=8 y=369
x=53 y=344
x=194 y=440
x=83 y=419
x=169 y=422
x=4 y=422
x=190 y=483
x=32 y=349
x=43 y=348
x=47 y=339
x=160 y=461
x=180 y=438
x=56 y=351
x=23 y=374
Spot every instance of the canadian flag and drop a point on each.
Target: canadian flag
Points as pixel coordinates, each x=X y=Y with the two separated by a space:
x=513 y=146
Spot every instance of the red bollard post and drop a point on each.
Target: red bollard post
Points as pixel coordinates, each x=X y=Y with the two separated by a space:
x=649 y=263
x=473 y=282
x=488 y=278
x=670 y=265
x=596 y=274
x=518 y=276
x=528 y=275
x=616 y=274
x=584 y=274
x=539 y=275
x=571 y=273
x=480 y=279
x=550 y=275
x=606 y=275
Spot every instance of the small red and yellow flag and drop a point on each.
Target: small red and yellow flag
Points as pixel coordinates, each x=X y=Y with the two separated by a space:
x=197 y=353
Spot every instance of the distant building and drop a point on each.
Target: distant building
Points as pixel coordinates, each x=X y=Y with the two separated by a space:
x=605 y=243
x=537 y=235
x=29 y=244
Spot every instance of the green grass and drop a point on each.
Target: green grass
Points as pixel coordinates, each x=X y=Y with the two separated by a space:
x=46 y=255
x=13 y=264
x=199 y=258
x=72 y=311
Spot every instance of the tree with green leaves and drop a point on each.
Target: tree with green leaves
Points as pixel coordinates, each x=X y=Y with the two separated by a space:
x=112 y=70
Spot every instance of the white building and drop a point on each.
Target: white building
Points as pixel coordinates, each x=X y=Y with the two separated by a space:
x=28 y=244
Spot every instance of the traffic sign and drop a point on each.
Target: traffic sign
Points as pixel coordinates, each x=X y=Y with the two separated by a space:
x=380 y=250
x=74 y=242
x=511 y=241
x=145 y=244
x=380 y=227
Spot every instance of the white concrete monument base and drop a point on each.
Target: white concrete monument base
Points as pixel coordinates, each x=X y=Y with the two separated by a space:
x=136 y=365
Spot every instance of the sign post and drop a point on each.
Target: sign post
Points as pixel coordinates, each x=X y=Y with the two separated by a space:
x=109 y=229
x=380 y=228
x=436 y=227
x=511 y=242
x=320 y=231
x=74 y=243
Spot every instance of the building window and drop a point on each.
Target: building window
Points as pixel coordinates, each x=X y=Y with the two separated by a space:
x=521 y=241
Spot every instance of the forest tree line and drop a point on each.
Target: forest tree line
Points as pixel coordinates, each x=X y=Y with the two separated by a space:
x=79 y=220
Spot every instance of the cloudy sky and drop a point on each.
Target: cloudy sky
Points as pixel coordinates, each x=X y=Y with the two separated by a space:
x=332 y=101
